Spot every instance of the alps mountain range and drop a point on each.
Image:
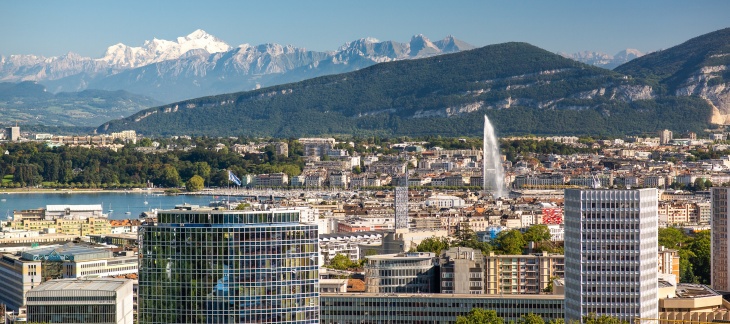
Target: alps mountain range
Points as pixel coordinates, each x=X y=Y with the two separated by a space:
x=200 y=64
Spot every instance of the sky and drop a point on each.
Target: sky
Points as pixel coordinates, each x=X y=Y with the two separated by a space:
x=52 y=28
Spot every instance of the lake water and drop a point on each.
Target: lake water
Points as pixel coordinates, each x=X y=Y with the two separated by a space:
x=118 y=202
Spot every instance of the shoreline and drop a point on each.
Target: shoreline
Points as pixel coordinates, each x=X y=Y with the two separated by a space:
x=75 y=191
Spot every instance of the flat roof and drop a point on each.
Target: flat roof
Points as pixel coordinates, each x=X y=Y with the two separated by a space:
x=69 y=251
x=685 y=290
x=450 y=296
x=59 y=208
x=85 y=284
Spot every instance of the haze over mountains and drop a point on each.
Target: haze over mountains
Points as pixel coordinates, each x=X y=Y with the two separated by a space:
x=604 y=60
x=200 y=64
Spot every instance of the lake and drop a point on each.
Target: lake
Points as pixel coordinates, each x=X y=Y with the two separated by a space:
x=118 y=202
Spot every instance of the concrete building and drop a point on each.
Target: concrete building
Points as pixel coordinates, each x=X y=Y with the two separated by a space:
x=104 y=300
x=370 y=308
x=522 y=274
x=611 y=253
x=668 y=262
x=462 y=271
x=221 y=266
x=21 y=272
x=720 y=243
x=317 y=146
x=413 y=272
x=12 y=133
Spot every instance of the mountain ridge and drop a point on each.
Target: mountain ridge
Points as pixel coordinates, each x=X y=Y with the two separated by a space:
x=523 y=88
x=164 y=69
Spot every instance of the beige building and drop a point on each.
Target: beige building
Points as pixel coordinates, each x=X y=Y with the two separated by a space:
x=691 y=303
x=668 y=262
x=78 y=227
x=719 y=241
x=522 y=274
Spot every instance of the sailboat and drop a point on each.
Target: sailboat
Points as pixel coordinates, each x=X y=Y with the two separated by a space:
x=128 y=212
x=110 y=208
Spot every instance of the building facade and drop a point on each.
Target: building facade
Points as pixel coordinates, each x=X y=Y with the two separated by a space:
x=217 y=266
x=462 y=271
x=720 y=252
x=611 y=253
x=104 y=300
x=522 y=274
x=414 y=272
x=368 y=308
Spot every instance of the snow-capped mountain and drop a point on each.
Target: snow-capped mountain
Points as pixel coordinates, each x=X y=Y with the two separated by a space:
x=604 y=60
x=200 y=64
x=158 y=50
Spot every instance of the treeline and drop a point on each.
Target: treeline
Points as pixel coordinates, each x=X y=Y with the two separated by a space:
x=35 y=164
x=507 y=242
x=694 y=253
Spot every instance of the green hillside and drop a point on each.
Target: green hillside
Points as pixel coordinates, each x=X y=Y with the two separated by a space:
x=30 y=103
x=671 y=67
x=524 y=89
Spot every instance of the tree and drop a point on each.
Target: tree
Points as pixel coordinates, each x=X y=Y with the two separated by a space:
x=510 y=242
x=169 y=176
x=672 y=238
x=434 y=244
x=537 y=233
x=341 y=262
x=480 y=316
x=195 y=183
x=530 y=319
x=592 y=318
x=700 y=262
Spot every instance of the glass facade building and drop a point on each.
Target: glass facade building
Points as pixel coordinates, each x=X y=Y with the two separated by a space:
x=220 y=266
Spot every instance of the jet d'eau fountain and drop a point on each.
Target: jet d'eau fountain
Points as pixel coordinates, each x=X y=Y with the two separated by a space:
x=493 y=173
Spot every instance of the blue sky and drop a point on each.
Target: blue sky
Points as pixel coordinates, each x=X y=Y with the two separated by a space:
x=89 y=27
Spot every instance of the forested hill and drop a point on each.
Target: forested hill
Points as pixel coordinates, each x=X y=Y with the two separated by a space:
x=524 y=89
x=697 y=67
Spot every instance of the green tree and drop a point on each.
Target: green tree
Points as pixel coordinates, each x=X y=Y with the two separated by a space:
x=510 y=242
x=434 y=244
x=341 y=262
x=169 y=176
x=672 y=238
x=530 y=319
x=701 y=261
x=537 y=233
x=195 y=183
x=603 y=319
x=480 y=316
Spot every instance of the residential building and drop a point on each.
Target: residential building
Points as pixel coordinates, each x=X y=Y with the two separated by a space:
x=412 y=272
x=611 y=253
x=668 y=262
x=522 y=274
x=228 y=266
x=462 y=271
x=272 y=180
x=99 y=300
x=317 y=146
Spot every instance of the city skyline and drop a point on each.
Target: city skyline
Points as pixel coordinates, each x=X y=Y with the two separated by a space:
x=85 y=28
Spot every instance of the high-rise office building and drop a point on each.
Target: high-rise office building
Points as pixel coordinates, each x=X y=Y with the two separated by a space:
x=220 y=266
x=720 y=252
x=611 y=239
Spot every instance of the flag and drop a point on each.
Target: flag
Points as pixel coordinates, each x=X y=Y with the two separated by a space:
x=234 y=178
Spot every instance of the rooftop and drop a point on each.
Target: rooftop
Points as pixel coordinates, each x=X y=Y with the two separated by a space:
x=69 y=251
x=694 y=291
x=85 y=284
